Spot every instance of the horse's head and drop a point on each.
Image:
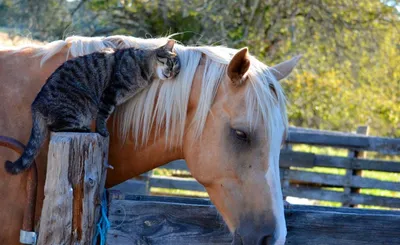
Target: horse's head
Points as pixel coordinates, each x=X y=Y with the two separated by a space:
x=236 y=156
x=225 y=114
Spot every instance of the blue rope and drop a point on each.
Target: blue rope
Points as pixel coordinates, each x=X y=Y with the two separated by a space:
x=104 y=224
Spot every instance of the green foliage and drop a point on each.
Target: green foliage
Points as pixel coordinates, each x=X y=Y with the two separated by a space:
x=349 y=74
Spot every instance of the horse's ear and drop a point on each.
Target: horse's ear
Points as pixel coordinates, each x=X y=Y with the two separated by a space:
x=170 y=45
x=238 y=66
x=282 y=70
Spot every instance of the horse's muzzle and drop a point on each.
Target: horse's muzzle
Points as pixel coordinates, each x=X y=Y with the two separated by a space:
x=250 y=235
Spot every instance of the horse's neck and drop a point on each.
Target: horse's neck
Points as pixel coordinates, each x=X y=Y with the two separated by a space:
x=129 y=162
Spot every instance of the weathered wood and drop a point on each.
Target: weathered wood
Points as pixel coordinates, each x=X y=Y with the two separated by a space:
x=309 y=160
x=343 y=140
x=118 y=195
x=363 y=130
x=354 y=163
x=342 y=181
x=335 y=227
x=165 y=223
x=336 y=196
x=283 y=170
x=139 y=187
x=290 y=158
x=142 y=222
x=74 y=185
x=176 y=183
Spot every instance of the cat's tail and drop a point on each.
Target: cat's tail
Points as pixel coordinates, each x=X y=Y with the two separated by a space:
x=38 y=136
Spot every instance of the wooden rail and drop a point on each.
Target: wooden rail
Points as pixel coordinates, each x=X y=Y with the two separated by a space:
x=390 y=146
x=167 y=221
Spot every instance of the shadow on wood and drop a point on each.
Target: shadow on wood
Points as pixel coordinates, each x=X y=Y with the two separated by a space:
x=180 y=221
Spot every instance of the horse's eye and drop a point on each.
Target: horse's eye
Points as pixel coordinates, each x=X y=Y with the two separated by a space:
x=241 y=135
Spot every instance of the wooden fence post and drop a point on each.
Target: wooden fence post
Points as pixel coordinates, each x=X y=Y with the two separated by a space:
x=364 y=130
x=283 y=171
x=76 y=172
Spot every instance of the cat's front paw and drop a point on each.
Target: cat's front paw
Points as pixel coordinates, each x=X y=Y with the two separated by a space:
x=103 y=132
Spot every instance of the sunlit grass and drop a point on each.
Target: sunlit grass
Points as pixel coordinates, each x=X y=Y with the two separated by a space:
x=328 y=203
x=176 y=192
x=378 y=192
x=320 y=150
x=339 y=189
x=395 y=177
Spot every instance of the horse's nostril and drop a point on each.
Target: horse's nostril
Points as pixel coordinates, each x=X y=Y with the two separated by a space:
x=237 y=239
x=248 y=234
x=248 y=240
x=265 y=240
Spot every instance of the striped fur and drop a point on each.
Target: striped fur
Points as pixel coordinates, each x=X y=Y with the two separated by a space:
x=90 y=87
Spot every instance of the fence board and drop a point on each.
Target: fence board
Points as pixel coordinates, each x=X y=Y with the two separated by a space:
x=382 y=145
x=139 y=187
x=176 y=183
x=164 y=223
x=336 y=196
x=143 y=222
x=340 y=180
x=290 y=158
x=176 y=165
x=119 y=195
x=308 y=160
x=354 y=163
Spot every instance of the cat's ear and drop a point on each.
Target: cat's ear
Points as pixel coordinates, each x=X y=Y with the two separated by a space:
x=170 y=45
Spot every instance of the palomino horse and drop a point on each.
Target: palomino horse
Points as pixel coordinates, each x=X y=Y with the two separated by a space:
x=224 y=114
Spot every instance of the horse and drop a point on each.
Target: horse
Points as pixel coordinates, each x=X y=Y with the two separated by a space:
x=225 y=114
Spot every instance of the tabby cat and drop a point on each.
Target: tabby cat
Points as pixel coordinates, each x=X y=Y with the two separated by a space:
x=89 y=87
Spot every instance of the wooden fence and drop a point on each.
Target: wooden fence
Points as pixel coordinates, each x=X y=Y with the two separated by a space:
x=298 y=175
x=75 y=184
x=178 y=221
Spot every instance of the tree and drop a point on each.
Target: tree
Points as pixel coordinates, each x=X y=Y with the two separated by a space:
x=349 y=75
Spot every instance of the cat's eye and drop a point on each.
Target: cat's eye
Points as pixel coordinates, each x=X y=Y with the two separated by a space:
x=161 y=60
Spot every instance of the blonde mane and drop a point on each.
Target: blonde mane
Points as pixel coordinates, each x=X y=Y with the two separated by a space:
x=165 y=104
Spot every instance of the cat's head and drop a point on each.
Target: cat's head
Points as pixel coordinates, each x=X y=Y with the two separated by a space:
x=167 y=64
